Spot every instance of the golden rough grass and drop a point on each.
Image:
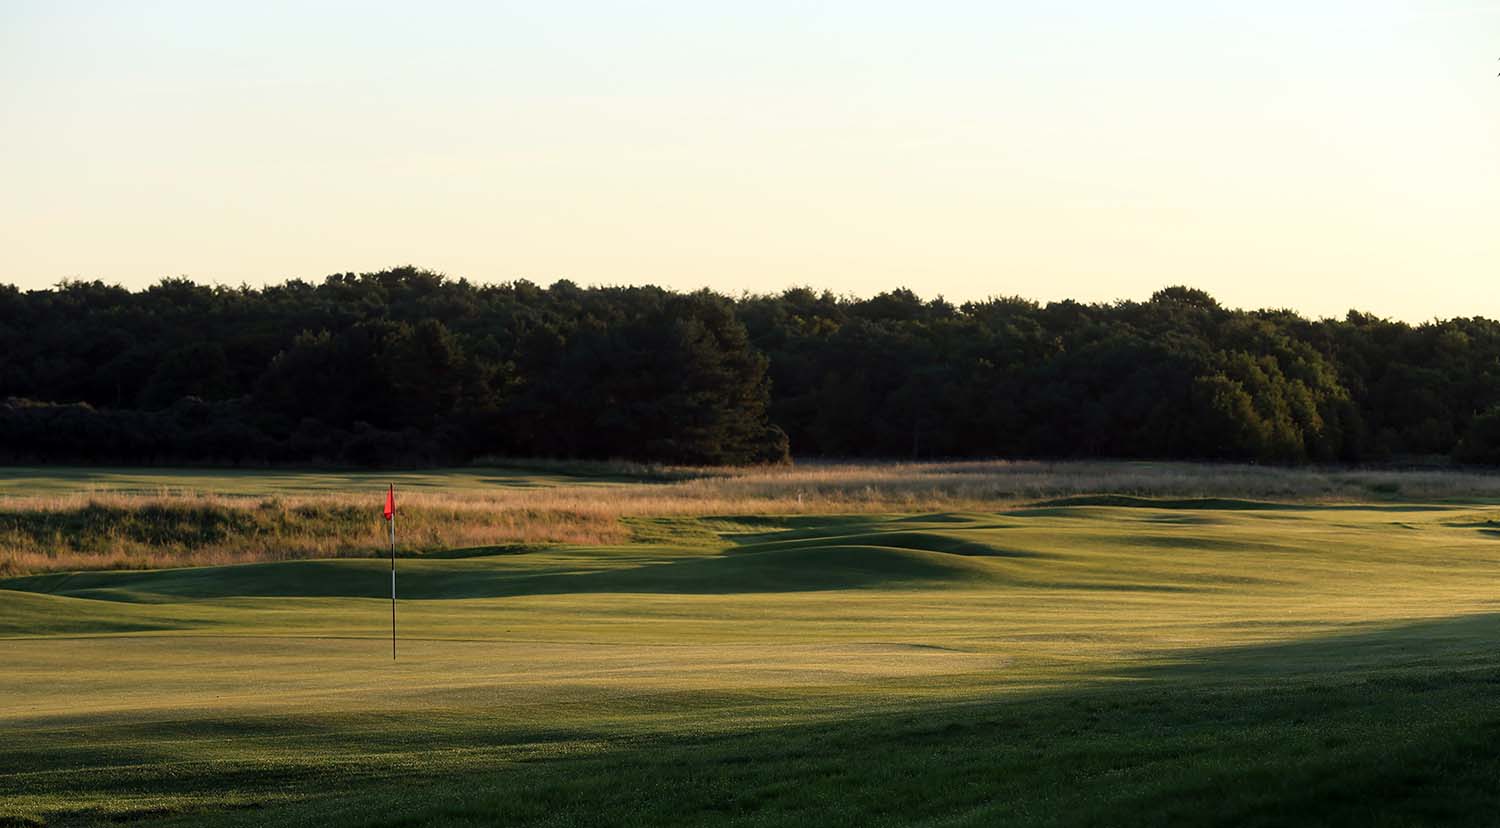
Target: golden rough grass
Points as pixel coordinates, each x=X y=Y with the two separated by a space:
x=104 y=530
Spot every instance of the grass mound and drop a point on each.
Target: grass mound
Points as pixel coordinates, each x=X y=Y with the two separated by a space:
x=1131 y=501
x=832 y=565
x=947 y=544
x=32 y=614
x=844 y=562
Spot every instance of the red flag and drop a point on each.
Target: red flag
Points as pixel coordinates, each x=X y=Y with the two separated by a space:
x=390 y=503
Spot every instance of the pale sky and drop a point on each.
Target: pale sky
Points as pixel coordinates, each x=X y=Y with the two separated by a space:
x=1311 y=154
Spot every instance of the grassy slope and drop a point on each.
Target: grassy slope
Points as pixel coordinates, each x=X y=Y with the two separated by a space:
x=1058 y=665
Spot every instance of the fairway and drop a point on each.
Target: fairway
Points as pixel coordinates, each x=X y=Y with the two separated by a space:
x=1056 y=664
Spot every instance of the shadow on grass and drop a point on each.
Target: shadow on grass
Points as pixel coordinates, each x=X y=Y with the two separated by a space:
x=797 y=569
x=1394 y=726
x=807 y=559
x=1389 y=726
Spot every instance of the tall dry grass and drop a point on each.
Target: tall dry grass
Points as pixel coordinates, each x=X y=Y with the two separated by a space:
x=101 y=530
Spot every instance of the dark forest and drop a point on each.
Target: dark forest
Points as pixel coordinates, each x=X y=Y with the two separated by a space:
x=407 y=367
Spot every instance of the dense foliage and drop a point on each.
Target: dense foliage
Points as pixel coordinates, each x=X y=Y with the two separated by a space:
x=405 y=366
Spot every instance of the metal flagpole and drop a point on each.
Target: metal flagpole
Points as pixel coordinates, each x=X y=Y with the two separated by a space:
x=393 y=580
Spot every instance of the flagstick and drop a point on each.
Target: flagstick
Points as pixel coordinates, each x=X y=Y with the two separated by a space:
x=393 y=585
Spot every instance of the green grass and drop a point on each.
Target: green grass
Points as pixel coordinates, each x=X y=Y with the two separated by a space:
x=1081 y=662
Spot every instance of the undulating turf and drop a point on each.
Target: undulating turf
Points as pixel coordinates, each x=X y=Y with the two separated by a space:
x=1077 y=662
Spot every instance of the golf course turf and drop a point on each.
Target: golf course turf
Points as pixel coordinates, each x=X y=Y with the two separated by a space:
x=1078 y=661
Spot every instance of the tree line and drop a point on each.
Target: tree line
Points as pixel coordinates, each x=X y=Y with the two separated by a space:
x=406 y=367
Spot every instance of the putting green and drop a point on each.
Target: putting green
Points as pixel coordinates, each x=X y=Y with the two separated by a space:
x=1051 y=665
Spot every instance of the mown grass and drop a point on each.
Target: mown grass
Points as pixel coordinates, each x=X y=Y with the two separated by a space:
x=1082 y=662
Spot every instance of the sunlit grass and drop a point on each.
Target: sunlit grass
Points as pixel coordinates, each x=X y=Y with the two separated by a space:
x=1058 y=664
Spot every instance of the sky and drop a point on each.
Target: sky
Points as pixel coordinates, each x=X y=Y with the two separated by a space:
x=1317 y=155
